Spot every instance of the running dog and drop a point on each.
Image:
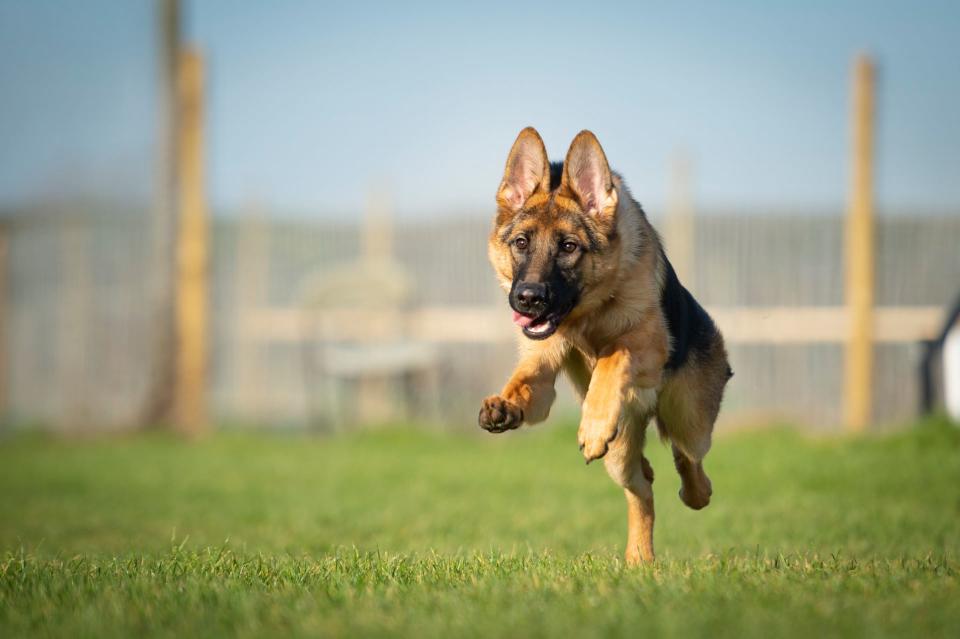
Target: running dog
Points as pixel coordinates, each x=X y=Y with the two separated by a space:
x=595 y=296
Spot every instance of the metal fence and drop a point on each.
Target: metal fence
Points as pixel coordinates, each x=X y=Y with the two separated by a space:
x=76 y=317
x=78 y=321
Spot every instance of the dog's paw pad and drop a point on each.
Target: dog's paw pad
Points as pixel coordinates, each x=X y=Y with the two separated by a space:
x=498 y=415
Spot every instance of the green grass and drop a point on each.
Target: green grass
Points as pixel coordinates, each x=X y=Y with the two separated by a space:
x=407 y=533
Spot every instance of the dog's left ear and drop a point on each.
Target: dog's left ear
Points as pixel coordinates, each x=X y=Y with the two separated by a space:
x=587 y=175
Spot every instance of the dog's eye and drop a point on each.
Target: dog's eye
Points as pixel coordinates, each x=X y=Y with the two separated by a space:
x=520 y=243
x=568 y=246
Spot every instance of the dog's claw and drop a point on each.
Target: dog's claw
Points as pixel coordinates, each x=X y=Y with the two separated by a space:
x=592 y=446
x=595 y=454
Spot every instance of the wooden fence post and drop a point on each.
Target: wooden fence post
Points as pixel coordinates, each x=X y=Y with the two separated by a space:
x=859 y=256
x=157 y=405
x=190 y=406
x=679 y=227
x=377 y=238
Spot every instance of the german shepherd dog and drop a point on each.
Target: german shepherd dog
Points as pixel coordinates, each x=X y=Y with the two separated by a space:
x=595 y=296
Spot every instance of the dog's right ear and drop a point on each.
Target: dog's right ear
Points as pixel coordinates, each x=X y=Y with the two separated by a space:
x=527 y=170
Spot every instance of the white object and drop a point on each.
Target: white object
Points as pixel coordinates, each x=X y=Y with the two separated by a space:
x=951 y=372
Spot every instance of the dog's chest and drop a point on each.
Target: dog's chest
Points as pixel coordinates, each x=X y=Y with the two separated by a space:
x=646 y=339
x=590 y=347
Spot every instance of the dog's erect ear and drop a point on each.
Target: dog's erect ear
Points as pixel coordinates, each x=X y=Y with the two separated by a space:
x=587 y=175
x=527 y=170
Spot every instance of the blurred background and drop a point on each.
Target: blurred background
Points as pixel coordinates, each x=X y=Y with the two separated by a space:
x=219 y=214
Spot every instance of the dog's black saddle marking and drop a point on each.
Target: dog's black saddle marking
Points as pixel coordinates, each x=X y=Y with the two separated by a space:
x=690 y=327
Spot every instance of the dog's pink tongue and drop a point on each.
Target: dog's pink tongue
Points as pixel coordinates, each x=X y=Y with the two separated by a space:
x=522 y=320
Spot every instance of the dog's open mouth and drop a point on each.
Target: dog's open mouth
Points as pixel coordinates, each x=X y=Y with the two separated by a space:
x=538 y=327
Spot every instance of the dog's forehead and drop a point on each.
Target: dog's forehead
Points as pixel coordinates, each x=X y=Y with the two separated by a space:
x=547 y=214
x=549 y=224
x=552 y=213
x=556 y=203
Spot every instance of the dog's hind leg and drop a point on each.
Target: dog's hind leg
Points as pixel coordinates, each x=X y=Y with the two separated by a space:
x=695 y=486
x=690 y=434
x=686 y=412
x=628 y=467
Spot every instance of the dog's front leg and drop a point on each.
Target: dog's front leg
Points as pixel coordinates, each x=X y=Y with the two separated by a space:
x=529 y=394
x=630 y=369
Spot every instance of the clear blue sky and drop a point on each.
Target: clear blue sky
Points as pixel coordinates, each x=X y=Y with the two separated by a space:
x=310 y=103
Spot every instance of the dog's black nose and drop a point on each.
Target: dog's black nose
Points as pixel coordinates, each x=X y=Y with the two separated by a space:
x=531 y=298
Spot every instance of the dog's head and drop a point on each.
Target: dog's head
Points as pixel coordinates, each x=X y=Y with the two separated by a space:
x=554 y=228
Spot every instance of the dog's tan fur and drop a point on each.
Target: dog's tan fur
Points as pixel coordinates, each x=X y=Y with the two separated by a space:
x=615 y=342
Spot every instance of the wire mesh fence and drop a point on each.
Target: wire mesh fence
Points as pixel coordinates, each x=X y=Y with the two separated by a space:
x=79 y=321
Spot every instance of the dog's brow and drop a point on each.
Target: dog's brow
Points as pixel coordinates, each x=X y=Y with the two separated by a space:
x=582 y=224
x=591 y=235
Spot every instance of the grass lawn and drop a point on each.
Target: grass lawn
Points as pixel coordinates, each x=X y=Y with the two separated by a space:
x=412 y=533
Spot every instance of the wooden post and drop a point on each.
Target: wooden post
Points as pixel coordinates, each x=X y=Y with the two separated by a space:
x=859 y=256
x=157 y=406
x=679 y=231
x=377 y=240
x=373 y=397
x=190 y=408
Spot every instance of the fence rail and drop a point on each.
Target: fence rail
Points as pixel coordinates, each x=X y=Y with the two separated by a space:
x=483 y=324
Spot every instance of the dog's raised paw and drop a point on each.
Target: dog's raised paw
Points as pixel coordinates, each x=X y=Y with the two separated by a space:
x=498 y=415
x=594 y=439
